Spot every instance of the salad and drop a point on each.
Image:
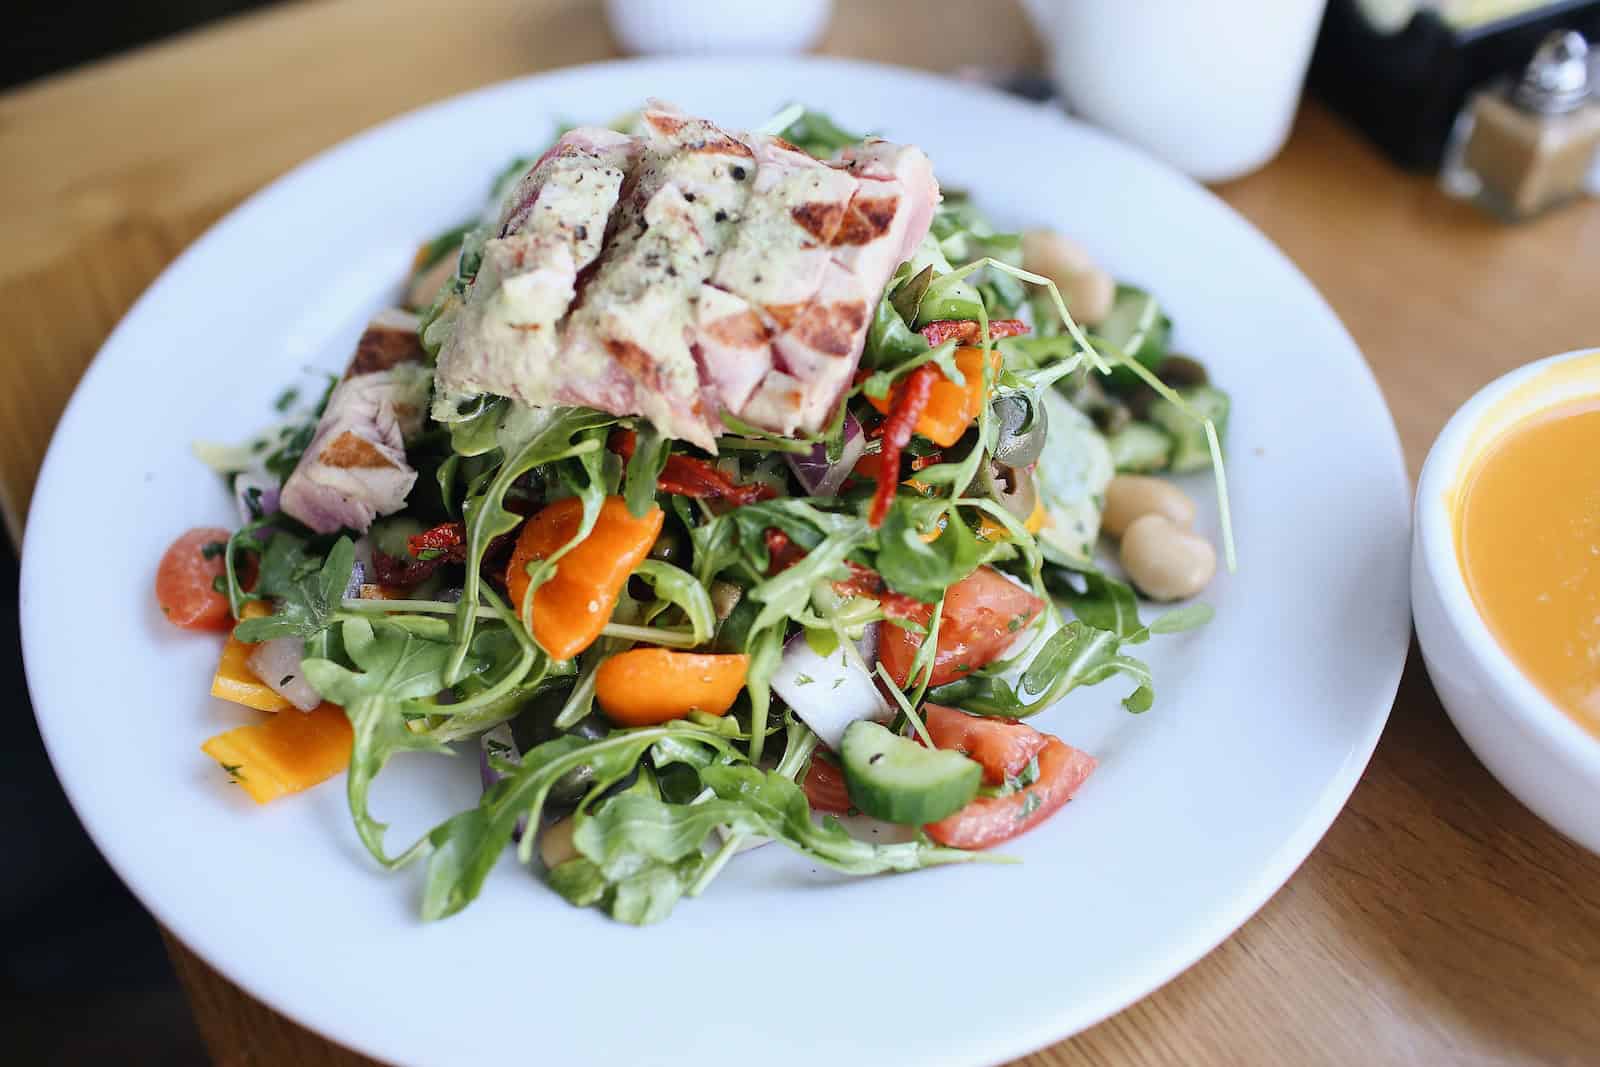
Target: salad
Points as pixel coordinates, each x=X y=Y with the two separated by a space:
x=710 y=485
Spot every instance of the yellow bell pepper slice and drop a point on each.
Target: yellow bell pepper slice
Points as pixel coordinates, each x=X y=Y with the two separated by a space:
x=235 y=681
x=286 y=753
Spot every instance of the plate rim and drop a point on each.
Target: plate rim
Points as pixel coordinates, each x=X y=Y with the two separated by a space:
x=1181 y=954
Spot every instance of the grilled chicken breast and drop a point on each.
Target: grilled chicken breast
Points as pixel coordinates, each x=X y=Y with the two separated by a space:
x=688 y=271
x=355 y=467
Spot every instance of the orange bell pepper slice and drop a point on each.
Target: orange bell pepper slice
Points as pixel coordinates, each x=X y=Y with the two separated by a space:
x=571 y=609
x=287 y=753
x=646 y=686
x=235 y=681
x=951 y=407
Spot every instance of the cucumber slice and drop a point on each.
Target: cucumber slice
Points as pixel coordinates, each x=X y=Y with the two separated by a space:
x=1140 y=448
x=897 y=780
x=1137 y=327
x=1189 y=449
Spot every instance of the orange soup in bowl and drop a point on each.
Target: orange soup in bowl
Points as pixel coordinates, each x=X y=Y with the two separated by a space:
x=1528 y=537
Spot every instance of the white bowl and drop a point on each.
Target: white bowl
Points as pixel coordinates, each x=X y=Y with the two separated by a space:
x=1549 y=761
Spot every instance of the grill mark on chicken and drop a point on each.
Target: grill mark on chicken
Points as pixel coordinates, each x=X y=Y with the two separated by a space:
x=381 y=348
x=831 y=328
x=867 y=219
x=742 y=331
x=820 y=220
x=350 y=452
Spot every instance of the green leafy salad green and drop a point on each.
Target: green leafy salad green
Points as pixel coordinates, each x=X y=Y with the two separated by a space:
x=653 y=652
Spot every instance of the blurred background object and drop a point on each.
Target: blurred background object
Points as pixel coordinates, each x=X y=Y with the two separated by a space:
x=1525 y=144
x=717 y=27
x=42 y=37
x=1402 y=70
x=1211 y=87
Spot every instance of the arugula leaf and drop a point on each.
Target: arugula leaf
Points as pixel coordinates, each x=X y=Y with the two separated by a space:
x=307 y=594
x=1188 y=617
x=465 y=848
x=397 y=663
x=644 y=467
x=641 y=855
x=1098 y=599
x=1075 y=655
x=674 y=585
x=890 y=338
x=925 y=569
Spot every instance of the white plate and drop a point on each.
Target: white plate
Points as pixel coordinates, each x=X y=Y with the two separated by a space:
x=1200 y=810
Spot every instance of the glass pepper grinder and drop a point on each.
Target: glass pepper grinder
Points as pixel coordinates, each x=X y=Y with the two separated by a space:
x=1520 y=148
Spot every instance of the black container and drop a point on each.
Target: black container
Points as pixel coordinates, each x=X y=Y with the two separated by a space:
x=1404 y=89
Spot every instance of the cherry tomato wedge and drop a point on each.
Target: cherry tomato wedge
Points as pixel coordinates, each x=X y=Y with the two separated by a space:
x=1002 y=746
x=989 y=821
x=824 y=786
x=184 y=581
x=983 y=613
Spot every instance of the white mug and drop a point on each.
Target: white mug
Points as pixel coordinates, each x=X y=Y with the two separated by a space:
x=717 y=27
x=1210 y=86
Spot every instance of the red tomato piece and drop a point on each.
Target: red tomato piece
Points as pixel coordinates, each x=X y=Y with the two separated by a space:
x=824 y=786
x=988 y=821
x=983 y=613
x=184 y=581
x=1002 y=746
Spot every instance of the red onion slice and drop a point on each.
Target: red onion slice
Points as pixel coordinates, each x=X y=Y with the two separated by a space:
x=822 y=478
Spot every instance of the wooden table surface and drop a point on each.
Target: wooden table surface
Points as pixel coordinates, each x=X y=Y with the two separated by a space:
x=1439 y=921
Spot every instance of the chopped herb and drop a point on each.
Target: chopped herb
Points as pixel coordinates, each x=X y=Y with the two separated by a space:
x=1015 y=623
x=803 y=679
x=286 y=399
x=233 y=771
x=837 y=682
x=286 y=679
x=213 y=549
x=1030 y=804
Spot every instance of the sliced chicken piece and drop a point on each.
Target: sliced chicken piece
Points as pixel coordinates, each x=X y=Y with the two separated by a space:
x=627 y=342
x=551 y=226
x=355 y=467
x=772 y=269
x=796 y=204
x=815 y=357
x=891 y=210
x=816 y=349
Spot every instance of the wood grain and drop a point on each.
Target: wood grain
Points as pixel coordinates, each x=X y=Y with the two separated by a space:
x=1439 y=921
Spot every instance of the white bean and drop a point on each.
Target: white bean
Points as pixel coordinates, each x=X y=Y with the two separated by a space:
x=1165 y=561
x=555 y=843
x=1088 y=290
x=1130 y=496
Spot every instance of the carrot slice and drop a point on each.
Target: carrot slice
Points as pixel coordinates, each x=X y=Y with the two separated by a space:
x=645 y=686
x=286 y=753
x=571 y=609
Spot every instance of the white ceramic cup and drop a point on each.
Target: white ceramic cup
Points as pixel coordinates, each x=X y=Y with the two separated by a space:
x=1210 y=86
x=717 y=27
